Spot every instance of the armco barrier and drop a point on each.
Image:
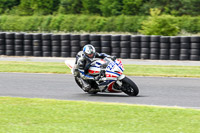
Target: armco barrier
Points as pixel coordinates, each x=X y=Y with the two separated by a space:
x=121 y=46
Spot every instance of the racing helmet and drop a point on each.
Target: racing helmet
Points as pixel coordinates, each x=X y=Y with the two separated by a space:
x=89 y=51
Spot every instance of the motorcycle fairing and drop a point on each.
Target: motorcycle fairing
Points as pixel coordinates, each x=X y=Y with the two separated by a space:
x=107 y=86
x=94 y=70
x=95 y=67
x=114 y=69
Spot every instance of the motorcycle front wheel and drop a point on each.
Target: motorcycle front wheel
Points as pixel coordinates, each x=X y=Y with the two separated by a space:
x=129 y=87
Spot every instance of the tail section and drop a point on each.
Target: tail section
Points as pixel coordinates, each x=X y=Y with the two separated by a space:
x=70 y=64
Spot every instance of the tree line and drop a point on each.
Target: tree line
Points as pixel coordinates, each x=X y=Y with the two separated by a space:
x=104 y=8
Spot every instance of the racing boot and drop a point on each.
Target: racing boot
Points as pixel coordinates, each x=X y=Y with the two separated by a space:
x=85 y=86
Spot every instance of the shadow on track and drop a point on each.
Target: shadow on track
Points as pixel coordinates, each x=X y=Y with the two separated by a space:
x=114 y=95
x=107 y=95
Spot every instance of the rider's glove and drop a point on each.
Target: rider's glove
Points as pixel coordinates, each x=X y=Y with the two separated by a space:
x=113 y=58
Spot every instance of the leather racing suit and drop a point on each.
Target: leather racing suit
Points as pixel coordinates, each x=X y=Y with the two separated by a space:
x=82 y=65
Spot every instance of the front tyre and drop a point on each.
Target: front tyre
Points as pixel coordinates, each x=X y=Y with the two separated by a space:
x=129 y=87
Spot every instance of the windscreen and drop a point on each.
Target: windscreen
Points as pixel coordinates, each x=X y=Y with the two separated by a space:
x=107 y=60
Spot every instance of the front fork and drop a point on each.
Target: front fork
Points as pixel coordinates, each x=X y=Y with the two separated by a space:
x=121 y=77
x=118 y=82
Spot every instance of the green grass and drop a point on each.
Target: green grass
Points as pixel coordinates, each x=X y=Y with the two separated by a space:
x=33 y=67
x=24 y=115
x=161 y=70
x=134 y=70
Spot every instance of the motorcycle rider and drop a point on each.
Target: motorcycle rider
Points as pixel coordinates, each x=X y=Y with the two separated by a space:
x=82 y=64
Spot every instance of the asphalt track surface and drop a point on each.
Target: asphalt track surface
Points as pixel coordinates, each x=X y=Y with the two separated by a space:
x=161 y=91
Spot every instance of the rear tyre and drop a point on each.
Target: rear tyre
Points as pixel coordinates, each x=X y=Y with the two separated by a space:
x=129 y=87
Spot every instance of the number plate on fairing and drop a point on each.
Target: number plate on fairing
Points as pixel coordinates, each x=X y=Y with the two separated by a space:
x=110 y=66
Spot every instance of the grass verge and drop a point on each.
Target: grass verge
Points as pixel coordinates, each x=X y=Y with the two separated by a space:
x=22 y=115
x=134 y=70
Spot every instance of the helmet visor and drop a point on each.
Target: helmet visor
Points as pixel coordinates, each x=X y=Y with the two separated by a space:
x=91 y=55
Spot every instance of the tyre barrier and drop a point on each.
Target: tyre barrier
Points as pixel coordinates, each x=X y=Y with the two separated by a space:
x=46 y=45
x=28 y=44
x=122 y=46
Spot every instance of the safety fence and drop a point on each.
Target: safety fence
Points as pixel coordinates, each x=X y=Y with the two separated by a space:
x=121 y=46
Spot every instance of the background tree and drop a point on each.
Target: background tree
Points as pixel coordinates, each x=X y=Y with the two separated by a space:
x=24 y=8
x=164 y=25
x=172 y=7
x=131 y=7
x=90 y=7
x=44 y=7
x=185 y=7
x=6 y=5
x=110 y=7
x=70 y=6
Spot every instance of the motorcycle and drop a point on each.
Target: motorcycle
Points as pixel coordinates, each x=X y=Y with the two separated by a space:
x=111 y=77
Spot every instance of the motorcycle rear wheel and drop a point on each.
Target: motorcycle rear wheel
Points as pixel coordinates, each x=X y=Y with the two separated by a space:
x=129 y=87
